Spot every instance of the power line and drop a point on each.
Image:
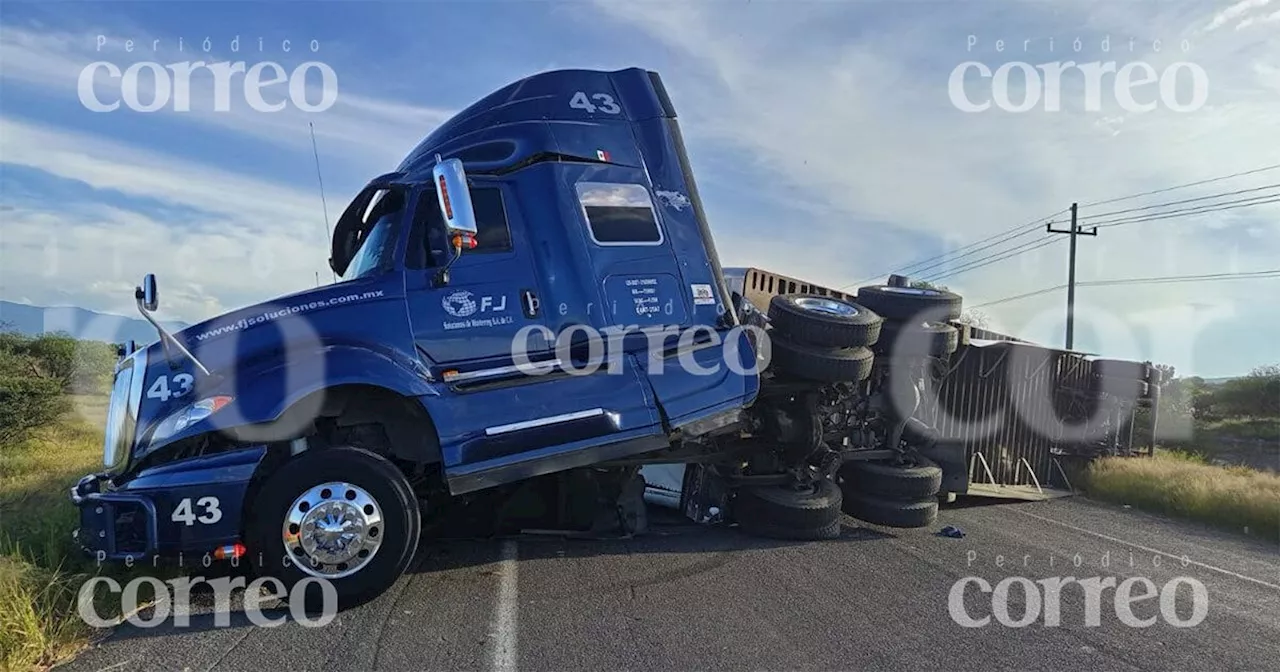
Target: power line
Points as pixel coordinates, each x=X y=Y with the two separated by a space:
x=974 y=251
x=1183 y=186
x=1187 y=212
x=1187 y=200
x=1031 y=226
x=1034 y=224
x=1182 y=212
x=1159 y=280
x=987 y=261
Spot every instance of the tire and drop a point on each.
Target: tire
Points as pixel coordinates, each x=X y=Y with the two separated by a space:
x=770 y=508
x=1119 y=368
x=829 y=531
x=909 y=303
x=892 y=481
x=830 y=365
x=892 y=513
x=823 y=321
x=930 y=338
x=394 y=537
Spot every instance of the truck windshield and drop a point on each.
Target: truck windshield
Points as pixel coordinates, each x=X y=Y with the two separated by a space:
x=377 y=247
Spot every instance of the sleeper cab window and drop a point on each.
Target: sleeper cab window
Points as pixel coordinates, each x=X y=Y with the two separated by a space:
x=619 y=214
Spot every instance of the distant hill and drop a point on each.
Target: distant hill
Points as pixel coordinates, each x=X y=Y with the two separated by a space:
x=81 y=323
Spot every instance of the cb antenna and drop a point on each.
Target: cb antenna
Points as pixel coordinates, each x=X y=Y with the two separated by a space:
x=324 y=205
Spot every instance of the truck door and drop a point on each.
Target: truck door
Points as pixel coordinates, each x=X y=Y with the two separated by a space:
x=492 y=291
x=499 y=424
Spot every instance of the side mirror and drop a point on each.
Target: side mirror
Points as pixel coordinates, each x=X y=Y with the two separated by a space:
x=454 y=196
x=148 y=295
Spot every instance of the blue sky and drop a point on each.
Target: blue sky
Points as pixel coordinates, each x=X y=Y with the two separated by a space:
x=823 y=137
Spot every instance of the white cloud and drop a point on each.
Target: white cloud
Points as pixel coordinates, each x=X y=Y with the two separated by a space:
x=1234 y=12
x=834 y=114
x=864 y=128
x=247 y=241
x=374 y=133
x=1269 y=18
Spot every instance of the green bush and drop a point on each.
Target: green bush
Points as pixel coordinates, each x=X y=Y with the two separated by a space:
x=27 y=403
x=81 y=367
x=37 y=372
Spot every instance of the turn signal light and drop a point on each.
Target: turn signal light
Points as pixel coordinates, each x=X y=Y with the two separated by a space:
x=444 y=197
x=229 y=552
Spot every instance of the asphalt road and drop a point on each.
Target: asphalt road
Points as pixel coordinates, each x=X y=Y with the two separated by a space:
x=685 y=598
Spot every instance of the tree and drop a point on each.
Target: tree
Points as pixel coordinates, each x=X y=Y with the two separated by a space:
x=1255 y=395
x=971 y=317
x=975 y=318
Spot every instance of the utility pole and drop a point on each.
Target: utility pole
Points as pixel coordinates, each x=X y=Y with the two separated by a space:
x=1074 y=231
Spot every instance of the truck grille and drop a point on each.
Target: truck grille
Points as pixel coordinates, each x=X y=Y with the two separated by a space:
x=122 y=413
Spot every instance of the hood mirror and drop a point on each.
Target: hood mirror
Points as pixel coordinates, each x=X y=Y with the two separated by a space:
x=148 y=297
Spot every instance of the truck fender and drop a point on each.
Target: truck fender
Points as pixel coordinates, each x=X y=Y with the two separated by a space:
x=280 y=400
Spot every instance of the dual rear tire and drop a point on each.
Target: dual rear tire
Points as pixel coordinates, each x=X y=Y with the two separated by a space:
x=892 y=494
x=915 y=320
x=821 y=338
x=798 y=512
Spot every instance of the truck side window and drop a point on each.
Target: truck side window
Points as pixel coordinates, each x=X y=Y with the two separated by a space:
x=428 y=246
x=619 y=214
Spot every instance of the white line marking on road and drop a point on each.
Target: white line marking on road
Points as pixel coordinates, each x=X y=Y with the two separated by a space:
x=504 y=617
x=1179 y=558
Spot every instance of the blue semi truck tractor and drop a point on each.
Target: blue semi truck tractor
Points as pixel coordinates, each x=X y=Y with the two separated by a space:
x=531 y=310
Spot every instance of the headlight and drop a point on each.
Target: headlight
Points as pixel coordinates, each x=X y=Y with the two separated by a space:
x=188 y=416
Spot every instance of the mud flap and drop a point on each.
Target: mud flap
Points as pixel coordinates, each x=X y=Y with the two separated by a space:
x=950 y=455
x=704 y=496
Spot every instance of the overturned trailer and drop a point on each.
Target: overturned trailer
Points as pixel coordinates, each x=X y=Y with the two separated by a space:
x=1004 y=416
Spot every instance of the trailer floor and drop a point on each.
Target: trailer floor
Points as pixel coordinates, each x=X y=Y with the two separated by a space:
x=685 y=597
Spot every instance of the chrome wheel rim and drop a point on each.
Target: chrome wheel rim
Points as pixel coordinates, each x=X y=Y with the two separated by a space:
x=333 y=530
x=828 y=306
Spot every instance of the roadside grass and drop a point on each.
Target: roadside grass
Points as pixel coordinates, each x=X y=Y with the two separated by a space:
x=1260 y=429
x=1182 y=484
x=40 y=570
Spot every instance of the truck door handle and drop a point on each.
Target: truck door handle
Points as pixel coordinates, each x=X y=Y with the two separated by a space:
x=530 y=302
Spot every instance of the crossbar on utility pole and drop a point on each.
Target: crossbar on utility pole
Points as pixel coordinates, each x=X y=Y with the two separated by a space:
x=1074 y=231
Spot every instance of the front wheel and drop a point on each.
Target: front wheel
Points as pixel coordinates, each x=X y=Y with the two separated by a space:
x=342 y=515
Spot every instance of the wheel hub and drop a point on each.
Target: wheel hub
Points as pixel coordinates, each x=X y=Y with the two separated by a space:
x=826 y=306
x=333 y=530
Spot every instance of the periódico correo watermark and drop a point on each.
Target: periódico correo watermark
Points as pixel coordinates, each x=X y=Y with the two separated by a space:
x=1135 y=86
x=1040 y=601
x=150 y=86
x=172 y=599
